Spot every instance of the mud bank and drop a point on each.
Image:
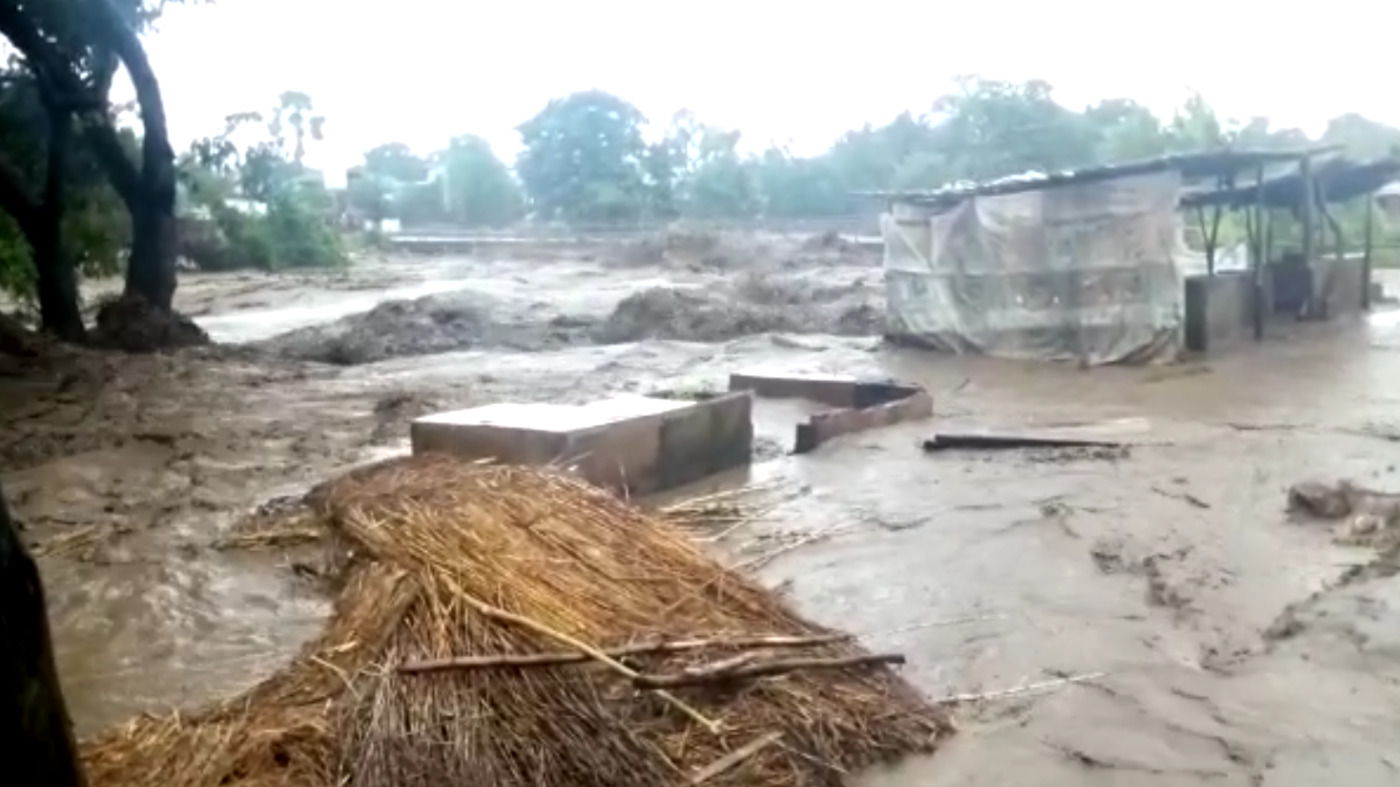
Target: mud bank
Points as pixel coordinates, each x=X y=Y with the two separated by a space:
x=465 y=320
x=424 y=326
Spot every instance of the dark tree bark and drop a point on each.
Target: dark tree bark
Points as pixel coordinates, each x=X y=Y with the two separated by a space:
x=34 y=719
x=41 y=222
x=150 y=271
x=57 y=274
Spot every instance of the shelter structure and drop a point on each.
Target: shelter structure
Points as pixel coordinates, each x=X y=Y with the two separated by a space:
x=1092 y=265
x=1302 y=264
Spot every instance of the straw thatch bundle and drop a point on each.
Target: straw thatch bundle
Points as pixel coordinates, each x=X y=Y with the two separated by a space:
x=455 y=576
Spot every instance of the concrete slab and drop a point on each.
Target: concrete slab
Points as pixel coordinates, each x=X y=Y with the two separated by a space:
x=632 y=444
x=563 y=418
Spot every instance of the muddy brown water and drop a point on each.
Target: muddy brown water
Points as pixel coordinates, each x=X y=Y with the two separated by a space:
x=1159 y=570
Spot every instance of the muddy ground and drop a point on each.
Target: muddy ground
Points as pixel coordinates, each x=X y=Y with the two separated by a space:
x=1226 y=641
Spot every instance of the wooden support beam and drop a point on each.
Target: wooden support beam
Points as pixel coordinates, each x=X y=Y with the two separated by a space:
x=1369 y=243
x=1258 y=252
x=1307 y=211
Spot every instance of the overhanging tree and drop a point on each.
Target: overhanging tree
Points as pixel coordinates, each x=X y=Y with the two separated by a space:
x=72 y=47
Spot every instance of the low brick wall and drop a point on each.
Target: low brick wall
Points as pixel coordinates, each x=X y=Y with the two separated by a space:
x=856 y=404
x=832 y=391
x=834 y=423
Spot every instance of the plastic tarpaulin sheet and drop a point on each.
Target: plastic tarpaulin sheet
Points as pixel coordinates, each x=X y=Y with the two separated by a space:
x=1085 y=272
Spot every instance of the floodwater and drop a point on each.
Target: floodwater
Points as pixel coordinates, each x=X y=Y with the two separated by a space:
x=1144 y=583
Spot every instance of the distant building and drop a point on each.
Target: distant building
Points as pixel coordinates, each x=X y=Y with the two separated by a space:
x=1089 y=265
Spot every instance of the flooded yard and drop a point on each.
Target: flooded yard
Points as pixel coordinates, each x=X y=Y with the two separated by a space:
x=1122 y=609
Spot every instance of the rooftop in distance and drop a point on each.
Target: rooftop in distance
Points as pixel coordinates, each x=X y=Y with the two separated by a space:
x=1193 y=166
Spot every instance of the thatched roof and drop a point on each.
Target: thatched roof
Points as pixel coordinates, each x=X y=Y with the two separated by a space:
x=510 y=626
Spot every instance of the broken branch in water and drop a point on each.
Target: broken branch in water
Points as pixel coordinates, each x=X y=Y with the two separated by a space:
x=1185 y=497
x=640 y=649
x=1016 y=690
x=950 y=442
x=736 y=669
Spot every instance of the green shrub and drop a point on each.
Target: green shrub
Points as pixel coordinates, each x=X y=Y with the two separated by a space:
x=300 y=237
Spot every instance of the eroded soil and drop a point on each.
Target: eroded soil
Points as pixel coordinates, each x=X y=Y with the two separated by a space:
x=1200 y=633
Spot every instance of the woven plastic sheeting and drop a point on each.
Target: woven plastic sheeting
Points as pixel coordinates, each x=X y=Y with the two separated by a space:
x=1085 y=272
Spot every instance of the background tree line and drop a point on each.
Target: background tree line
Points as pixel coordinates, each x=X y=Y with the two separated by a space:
x=592 y=157
x=88 y=186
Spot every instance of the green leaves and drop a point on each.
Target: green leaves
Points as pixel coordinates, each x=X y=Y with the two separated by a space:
x=477 y=186
x=268 y=211
x=584 y=158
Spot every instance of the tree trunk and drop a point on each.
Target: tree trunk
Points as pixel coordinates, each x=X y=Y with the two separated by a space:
x=150 y=271
x=34 y=717
x=57 y=276
x=41 y=225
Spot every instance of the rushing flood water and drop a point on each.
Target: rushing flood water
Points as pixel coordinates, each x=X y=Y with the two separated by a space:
x=988 y=570
x=256 y=324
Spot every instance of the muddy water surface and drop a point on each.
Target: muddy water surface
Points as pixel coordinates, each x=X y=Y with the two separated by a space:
x=1158 y=571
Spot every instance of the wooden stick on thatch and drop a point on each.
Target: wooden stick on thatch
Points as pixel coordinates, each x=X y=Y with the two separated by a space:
x=731 y=760
x=640 y=649
x=497 y=613
x=734 y=669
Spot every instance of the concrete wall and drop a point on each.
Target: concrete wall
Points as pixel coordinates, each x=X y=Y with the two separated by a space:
x=834 y=423
x=650 y=452
x=856 y=404
x=715 y=436
x=1339 y=284
x=832 y=391
x=1218 y=310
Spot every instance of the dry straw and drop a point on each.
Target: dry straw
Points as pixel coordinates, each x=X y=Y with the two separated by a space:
x=511 y=572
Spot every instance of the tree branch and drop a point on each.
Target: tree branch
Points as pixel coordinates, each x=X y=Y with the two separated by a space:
x=58 y=80
x=104 y=143
x=125 y=42
x=44 y=58
x=14 y=200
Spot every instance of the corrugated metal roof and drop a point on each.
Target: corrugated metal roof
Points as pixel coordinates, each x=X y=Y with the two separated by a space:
x=1210 y=164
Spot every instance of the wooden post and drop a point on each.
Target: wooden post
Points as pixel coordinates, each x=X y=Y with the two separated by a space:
x=1268 y=235
x=1217 y=213
x=33 y=716
x=1206 y=242
x=1308 y=209
x=1369 y=242
x=1258 y=253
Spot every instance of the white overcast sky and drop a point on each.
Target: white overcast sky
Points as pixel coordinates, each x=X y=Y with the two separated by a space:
x=420 y=71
